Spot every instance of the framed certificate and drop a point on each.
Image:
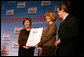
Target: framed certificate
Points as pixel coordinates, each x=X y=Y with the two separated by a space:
x=34 y=36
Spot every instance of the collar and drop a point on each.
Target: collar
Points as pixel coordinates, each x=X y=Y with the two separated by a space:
x=65 y=16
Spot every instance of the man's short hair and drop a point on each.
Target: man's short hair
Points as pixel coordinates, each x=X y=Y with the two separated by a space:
x=65 y=7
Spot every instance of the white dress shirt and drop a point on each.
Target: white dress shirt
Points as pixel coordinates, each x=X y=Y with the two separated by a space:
x=65 y=16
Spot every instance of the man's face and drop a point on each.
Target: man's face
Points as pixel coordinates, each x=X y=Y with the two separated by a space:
x=59 y=13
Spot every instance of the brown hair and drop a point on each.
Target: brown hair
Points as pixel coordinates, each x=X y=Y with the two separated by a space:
x=52 y=15
x=28 y=20
x=65 y=7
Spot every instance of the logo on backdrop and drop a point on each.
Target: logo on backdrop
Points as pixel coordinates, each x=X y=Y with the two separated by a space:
x=6 y=37
x=10 y=12
x=17 y=30
x=15 y=44
x=45 y=3
x=21 y=5
x=32 y=10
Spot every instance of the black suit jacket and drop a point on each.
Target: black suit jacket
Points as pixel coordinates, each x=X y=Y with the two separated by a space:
x=68 y=34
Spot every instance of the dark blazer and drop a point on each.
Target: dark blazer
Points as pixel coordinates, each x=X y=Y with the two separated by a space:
x=68 y=34
x=49 y=36
x=23 y=36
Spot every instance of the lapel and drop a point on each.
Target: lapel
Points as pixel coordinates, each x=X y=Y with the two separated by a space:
x=64 y=24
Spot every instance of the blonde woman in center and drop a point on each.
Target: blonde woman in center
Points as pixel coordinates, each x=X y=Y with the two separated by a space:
x=48 y=39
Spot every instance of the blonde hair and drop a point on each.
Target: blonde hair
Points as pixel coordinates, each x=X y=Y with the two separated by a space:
x=52 y=15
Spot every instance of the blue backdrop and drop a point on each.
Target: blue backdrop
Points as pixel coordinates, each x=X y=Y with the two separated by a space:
x=20 y=13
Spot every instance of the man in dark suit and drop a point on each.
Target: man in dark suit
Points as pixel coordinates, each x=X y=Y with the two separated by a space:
x=68 y=43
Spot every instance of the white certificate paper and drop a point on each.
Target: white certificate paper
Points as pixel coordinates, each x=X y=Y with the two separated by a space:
x=34 y=36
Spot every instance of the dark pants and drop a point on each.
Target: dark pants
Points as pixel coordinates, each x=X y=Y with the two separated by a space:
x=26 y=52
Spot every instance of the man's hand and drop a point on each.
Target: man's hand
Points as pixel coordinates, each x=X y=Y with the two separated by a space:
x=57 y=42
x=26 y=47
